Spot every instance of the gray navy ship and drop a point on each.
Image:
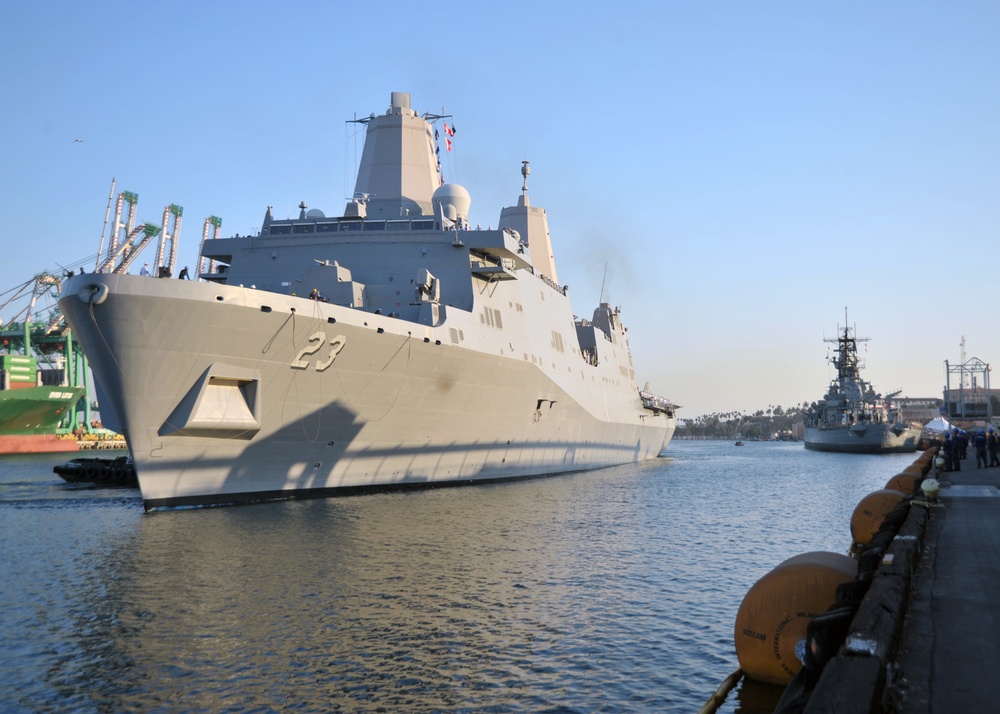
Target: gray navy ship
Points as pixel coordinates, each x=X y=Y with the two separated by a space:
x=852 y=417
x=391 y=346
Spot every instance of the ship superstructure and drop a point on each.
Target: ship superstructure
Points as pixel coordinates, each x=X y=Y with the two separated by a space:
x=391 y=346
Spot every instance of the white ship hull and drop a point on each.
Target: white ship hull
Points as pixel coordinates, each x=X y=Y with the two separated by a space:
x=223 y=402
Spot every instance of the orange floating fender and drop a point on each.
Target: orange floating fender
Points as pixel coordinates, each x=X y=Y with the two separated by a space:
x=871 y=511
x=904 y=482
x=770 y=632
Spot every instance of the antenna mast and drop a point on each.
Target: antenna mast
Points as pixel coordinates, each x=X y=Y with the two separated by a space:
x=965 y=381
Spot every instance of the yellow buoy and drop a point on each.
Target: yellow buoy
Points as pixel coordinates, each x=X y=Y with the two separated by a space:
x=905 y=482
x=871 y=511
x=771 y=623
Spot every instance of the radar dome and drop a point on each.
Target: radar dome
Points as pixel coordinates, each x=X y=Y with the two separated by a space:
x=315 y=213
x=454 y=197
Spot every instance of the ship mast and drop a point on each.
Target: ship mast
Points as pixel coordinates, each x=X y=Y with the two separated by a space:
x=846 y=361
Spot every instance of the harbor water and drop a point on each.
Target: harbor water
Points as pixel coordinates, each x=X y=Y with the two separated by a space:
x=614 y=590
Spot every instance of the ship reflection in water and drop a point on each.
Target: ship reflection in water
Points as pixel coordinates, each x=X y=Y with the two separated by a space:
x=615 y=589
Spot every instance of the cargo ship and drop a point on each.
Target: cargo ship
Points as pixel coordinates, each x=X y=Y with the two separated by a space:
x=42 y=401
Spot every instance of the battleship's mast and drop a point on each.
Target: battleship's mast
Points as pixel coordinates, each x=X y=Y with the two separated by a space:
x=847 y=363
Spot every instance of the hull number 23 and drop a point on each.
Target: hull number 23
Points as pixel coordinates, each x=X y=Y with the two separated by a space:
x=315 y=343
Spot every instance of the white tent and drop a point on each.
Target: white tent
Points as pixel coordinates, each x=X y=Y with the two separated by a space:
x=940 y=425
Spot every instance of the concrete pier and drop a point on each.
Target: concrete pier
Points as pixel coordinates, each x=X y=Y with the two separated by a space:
x=949 y=651
x=926 y=636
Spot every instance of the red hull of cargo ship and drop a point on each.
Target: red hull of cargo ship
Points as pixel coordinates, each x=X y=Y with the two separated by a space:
x=36 y=444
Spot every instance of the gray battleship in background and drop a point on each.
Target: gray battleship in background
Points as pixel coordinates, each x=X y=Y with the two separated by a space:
x=852 y=417
x=392 y=346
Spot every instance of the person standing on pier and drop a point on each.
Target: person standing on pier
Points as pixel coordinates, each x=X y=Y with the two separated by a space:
x=950 y=454
x=993 y=446
x=979 y=441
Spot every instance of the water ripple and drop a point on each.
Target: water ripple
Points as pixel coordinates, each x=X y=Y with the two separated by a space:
x=611 y=591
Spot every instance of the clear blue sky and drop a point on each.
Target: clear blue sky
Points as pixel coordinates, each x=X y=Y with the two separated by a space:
x=745 y=170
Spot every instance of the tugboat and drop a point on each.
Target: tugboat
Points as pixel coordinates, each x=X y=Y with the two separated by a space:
x=852 y=417
x=119 y=471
